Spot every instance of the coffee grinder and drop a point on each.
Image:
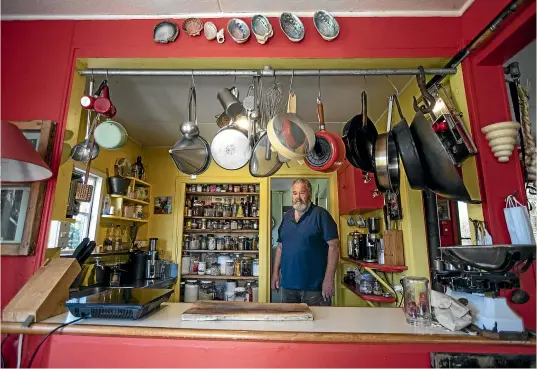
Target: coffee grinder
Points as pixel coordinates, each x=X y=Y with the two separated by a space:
x=152 y=263
x=373 y=226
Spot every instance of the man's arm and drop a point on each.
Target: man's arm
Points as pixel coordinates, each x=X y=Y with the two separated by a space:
x=331 y=265
x=275 y=283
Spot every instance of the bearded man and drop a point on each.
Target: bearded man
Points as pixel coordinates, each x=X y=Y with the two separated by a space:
x=307 y=251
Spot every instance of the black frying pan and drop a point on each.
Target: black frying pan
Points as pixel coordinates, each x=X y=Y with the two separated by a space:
x=408 y=152
x=359 y=136
x=440 y=173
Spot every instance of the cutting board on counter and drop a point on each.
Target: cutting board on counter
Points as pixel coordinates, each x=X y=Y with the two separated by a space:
x=234 y=310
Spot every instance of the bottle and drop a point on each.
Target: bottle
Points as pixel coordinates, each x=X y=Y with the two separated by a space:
x=106 y=205
x=254 y=207
x=249 y=293
x=107 y=243
x=247 y=207
x=240 y=209
x=138 y=169
x=117 y=245
x=234 y=207
x=125 y=237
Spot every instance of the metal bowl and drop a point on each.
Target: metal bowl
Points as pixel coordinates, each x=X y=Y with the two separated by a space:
x=238 y=30
x=292 y=26
x=326 y=25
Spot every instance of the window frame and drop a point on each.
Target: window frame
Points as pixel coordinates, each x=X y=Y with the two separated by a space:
x=36 y=199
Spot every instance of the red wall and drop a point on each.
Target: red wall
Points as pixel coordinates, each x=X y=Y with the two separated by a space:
x=38 y=59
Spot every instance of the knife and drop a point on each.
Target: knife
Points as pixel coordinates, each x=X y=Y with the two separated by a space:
x=80 y=248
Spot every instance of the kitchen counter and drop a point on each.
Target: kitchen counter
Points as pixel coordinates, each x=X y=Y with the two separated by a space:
x=330 y=324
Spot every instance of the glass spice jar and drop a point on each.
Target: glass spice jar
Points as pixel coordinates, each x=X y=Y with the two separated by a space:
x=211 y=242
x=212 y=188
x=226 y=212
x=220 y=243
x=229 y=268
x=241 y=243
x=237 y=188
x=215 y=269
x=191 y=290
x=203 y=242
x=237 y=265
x=194 y=243
x=251 y=188
x=244 y=188
x=186 y=242
x=199 y=188
x=203 y=223
x=206 y=290
x=240 y=294
x=234 y=225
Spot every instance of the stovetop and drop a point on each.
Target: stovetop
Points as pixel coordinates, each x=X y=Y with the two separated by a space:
x=476 y=281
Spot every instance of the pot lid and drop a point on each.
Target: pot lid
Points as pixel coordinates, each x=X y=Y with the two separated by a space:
x=231 y=148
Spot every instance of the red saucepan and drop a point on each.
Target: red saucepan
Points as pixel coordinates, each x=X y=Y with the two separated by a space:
x=329 y=151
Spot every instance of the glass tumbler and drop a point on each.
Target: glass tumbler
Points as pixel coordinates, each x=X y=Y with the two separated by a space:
x=417 y=302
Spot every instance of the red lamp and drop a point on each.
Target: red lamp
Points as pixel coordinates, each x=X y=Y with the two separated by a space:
x=20 y=161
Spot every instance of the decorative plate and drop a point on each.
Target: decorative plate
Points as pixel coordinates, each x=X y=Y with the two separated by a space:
x=165 y=32
x=326 y=25
x=193 y=26
x=292 y=26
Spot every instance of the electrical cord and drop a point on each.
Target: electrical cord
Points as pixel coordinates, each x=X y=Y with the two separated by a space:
x=50 y=334
x=1 y=347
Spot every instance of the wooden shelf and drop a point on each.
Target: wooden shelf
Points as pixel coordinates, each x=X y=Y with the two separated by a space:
x=225 y=251
x=217 y=231
x=139 y=182
x=379 y=267
x=219 y=277
x=128 y=199
x=216 y=194
x=222 y=218
x=114 y=217
x=372 y=298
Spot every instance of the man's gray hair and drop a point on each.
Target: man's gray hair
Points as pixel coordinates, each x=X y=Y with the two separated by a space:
x=305 y=182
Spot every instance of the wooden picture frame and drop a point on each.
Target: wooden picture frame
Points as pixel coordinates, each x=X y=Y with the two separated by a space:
x=44 y=130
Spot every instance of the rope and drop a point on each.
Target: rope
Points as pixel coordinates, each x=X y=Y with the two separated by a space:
x=529 y=141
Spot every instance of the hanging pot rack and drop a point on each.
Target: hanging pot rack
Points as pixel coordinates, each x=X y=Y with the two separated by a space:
x=266 y=72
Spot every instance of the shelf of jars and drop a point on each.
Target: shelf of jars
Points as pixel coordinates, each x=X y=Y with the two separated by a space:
x=375 y=266
x=220 y=245
x=381 y=299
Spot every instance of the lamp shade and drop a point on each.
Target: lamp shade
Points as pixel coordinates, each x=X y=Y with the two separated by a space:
x=20 y=161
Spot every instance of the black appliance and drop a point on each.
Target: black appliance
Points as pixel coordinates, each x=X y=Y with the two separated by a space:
x=119 y=303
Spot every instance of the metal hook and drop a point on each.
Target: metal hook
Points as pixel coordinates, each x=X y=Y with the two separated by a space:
x=235 y=78
x=391 y=83
x=291 y=83
x=428 y=100
x=365 y=83
x=319 y=85
x=193 y=82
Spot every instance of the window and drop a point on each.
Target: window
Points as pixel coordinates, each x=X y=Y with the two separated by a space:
x=87 y=219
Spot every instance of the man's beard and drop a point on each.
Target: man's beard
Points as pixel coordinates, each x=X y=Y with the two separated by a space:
x=300 y=206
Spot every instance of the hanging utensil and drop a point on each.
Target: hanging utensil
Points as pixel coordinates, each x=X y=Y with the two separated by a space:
x=428 y=100
x=191 y=155
x=440 y=173
x=359 y=136
x=291 y=136
x=408 y=152
x=81 y=151
x=84 y=192
x=328 y=153
x=189 y=128
x=259 y=165
x=111 y=135
x=386 y=158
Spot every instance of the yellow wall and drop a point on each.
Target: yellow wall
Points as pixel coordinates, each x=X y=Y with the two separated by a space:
x=167 y=180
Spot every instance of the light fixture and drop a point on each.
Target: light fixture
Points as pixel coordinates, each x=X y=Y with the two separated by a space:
x=20 y=161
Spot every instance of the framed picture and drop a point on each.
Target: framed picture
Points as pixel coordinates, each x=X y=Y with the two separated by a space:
x=22 y=203
x=163 y=205
x=443 y=210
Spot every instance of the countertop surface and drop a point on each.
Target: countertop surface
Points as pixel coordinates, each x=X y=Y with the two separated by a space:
x=330 y=325
x=325 y=319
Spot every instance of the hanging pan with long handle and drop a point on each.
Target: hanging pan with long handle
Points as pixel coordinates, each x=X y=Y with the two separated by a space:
x=191 y=155
x=359 y=136
x=440 y=173
x=408 y=152
x=328 y=153
x=387 y=174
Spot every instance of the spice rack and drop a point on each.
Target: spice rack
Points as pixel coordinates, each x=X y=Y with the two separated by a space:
x=221 y=236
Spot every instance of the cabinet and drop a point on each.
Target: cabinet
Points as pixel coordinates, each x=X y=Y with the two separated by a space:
x=357 y=191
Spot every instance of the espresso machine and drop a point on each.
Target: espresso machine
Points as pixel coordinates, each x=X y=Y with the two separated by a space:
x=372 y=242
x=476 y=276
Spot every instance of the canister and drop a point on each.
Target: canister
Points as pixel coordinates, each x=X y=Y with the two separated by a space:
x=185 y=265
x=191 y=290
x=230 y=286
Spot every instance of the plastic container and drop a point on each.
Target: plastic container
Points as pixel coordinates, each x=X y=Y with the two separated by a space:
x=417 y=305
x=240 y=294
x=202 y=267
x=185 y=265
x=206 y=290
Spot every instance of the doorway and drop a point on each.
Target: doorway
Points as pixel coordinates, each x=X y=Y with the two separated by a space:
x=280 y=202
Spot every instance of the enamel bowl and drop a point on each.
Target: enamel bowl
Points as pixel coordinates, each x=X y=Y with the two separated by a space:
x=261 y=28
x=326 y=25
x=292 y=26
x=238 y=30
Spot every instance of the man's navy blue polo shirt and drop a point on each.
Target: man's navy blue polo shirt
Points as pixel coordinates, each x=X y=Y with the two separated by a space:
x=305 y=248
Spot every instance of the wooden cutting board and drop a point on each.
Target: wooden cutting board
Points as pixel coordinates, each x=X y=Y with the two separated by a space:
x=231 y=310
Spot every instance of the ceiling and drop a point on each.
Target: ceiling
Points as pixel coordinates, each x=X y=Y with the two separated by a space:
x=151 y=108
x=140 y=9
